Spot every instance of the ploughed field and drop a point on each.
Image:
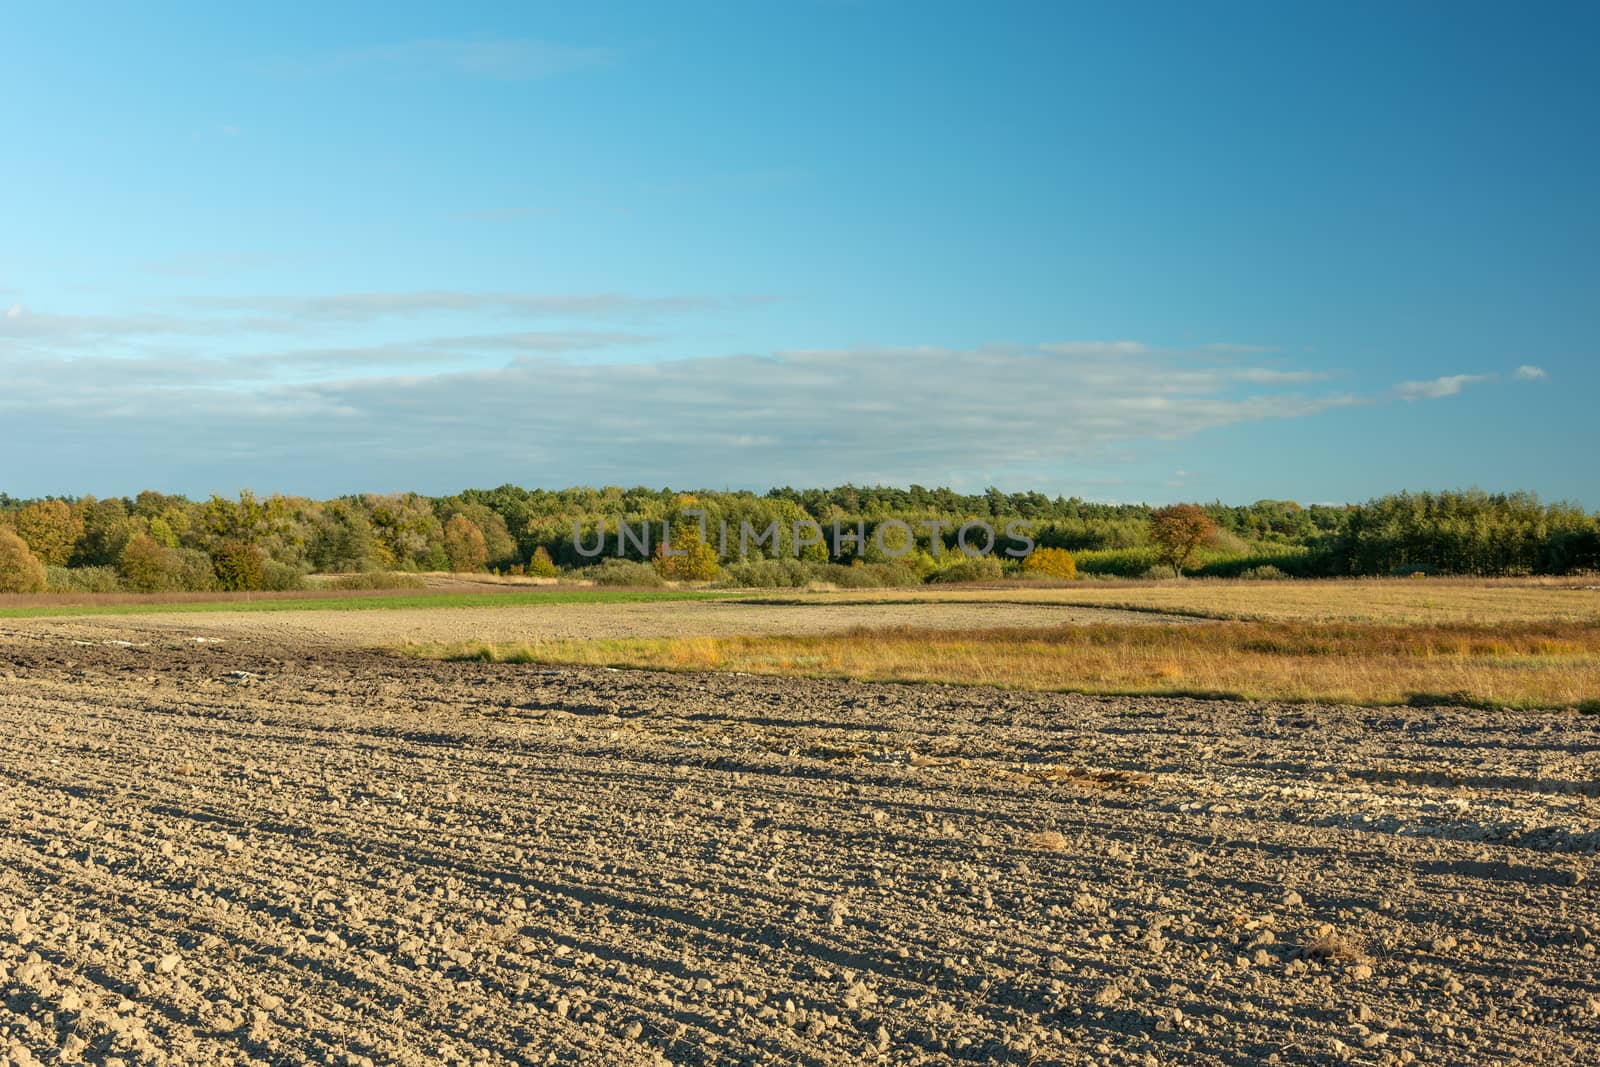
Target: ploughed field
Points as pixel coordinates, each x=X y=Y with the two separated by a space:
x=243 y=849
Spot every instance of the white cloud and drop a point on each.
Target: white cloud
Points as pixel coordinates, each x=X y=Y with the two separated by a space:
x=1272 y=376
x=1435 y=388
x=892 y=415
x=1529 y=373
x=1093 y=348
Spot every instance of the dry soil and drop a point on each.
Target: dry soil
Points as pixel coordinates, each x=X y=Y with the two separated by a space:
x=260 y=848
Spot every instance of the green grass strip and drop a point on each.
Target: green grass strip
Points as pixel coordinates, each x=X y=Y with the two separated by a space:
x=367 y=602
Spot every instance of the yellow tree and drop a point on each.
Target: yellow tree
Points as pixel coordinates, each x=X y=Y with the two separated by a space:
x=51 y=528
x=20 y=572
x=691 y=560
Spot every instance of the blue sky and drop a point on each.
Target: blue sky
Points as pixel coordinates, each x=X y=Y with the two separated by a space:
x=1129 y=252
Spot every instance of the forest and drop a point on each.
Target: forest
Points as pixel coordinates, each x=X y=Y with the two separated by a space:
x=156 y=542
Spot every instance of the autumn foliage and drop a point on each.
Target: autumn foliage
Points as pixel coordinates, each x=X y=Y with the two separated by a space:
x=1177 y=531
x=464 y=545
x=20 y=570
x=690 y=559
x=1050 y=563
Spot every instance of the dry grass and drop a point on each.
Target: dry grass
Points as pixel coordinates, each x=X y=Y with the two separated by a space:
x=1398 y=601
x=1049 y=840
x=1087 y=777
x=1326 y=943
x=1522 y=664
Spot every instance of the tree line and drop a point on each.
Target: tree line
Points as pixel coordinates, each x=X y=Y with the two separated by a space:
x=157 y=542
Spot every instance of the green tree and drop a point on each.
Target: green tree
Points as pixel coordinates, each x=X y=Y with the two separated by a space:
x=1177 y=531
x=540 y=565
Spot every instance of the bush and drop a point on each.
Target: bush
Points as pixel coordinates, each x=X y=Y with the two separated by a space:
x=378 y=580
x=1117 y=562
x=280 y=577
x=145 y=566
x=540 y=565
x=193 y=569
x=84 y=579
x=767 y=574
x=791 y=573
x=1265 y=573
x=624 y=572
x=239 y=566
x=1050 y=563
x=20 y=571
x=871 y=576
x=973 y=569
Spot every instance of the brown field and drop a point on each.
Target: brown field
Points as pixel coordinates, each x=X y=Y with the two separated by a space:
x=1539 y=665
x=251 y=838
x=1365 y=600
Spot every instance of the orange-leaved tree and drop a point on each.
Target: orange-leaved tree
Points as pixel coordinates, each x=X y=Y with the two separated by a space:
x=1177 y=531
x=464 y=545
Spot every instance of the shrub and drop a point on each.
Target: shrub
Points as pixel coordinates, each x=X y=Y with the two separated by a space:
x=239 y=566
x=1116 y=562
x=540 y=565
x=85 y=579
x=280 y=577
x=1050 y=563
x=194 y=570
x=20 y=571
x=972 y=569
x=767 y=574
x=1264 y=573
x=146 y=566
x=624 y=572
x=378 y=580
